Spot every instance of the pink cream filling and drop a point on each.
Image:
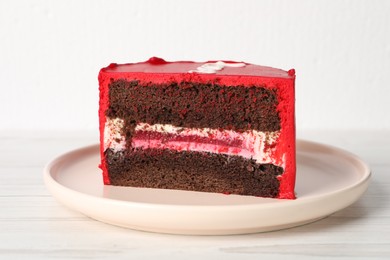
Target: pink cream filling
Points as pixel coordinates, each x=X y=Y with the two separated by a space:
x=253 y=144
x=257 y=145
x=148 y=139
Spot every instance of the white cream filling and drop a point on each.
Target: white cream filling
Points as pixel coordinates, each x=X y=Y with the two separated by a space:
x=113 y=138
x=210 y=68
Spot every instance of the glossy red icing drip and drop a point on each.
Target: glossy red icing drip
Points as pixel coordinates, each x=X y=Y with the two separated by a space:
x=156 y=61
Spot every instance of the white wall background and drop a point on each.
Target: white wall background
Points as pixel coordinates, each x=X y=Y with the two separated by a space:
x=51 y=52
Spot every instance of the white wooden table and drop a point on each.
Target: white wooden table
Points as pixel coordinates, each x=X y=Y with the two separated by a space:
x=34 y=226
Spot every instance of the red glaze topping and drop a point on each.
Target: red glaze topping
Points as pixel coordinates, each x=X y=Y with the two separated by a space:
x=187 y=66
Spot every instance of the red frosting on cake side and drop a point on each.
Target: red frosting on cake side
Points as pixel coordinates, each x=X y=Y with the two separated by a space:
x=160 y=71
x=286 y=142
x=103 y=106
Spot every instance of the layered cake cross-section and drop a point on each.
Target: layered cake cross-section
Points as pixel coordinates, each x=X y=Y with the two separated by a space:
x=218 y=126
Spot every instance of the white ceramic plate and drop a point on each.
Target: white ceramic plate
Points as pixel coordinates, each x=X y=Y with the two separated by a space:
x=328 y=179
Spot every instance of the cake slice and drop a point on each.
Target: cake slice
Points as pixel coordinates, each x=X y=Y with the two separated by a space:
x=223 y=127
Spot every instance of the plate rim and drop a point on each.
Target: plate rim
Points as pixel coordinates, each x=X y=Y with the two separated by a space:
x=55 y=188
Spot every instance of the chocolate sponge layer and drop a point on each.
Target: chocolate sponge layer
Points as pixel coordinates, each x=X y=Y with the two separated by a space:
x=199 y=171
x=197 y=105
